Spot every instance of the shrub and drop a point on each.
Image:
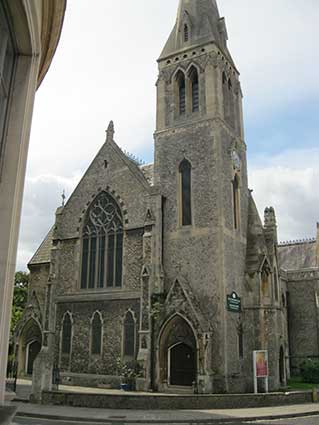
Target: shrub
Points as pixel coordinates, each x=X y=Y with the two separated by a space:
x=310 y=371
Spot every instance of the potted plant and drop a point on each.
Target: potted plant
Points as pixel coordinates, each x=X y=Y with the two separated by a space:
x=128 y=371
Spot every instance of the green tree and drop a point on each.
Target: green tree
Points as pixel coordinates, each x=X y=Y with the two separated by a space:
x=20 y=296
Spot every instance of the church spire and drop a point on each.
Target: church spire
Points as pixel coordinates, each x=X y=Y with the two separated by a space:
x=198 y=22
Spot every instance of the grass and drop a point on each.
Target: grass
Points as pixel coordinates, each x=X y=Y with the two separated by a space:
x=296 y=383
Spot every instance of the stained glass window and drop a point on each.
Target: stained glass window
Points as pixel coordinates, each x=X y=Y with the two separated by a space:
x=185 y=183
x=129 y=335
x=96 y=343
x=102 y=245
x=66 y=334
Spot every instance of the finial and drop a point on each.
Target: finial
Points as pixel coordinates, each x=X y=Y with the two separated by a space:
x=110 y=131
x=63 y=198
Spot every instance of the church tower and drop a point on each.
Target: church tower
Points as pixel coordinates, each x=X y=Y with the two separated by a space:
x=200 y=167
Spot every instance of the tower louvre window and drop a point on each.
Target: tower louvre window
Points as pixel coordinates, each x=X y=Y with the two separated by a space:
x=66 y=334
x=193 y=75
x=96 y=341
x=129 y=335
x=185 y=189
x=181 y=92
x=102 y=244
x=186 y=33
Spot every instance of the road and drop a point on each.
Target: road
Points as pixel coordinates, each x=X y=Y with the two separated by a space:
x=311 y=420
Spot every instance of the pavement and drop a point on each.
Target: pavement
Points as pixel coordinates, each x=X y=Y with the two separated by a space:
x=80 y=414
x=87 y=415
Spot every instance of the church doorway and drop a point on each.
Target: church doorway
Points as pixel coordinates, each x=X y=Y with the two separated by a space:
x=282 y=366
x=33 y=349
x=182 y=365
x=177 y=354
x=29 y=346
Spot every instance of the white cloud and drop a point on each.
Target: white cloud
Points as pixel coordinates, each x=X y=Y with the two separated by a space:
x=289 y=182
x=105 y=68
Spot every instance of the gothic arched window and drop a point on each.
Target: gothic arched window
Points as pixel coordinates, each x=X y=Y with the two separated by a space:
x=236 y=202
x=185 y=171
x=186 y=33
x=193 y=76
x=66 y=334
x=96 y=334
x=276 y=285
x=102 y=244
x=180 y=78
x=129 y=335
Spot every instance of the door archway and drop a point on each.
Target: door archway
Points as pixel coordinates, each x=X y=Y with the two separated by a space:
x=177 y=353
x=29 y=346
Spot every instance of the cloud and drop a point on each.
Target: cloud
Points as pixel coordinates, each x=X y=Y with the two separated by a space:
x=41 y=199
x=105 y=68
x=288 y=182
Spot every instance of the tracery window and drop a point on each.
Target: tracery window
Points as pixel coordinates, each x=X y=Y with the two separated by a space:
x=96 y=334
x=129 y=335
x=7 y=57
x=185 y=191
x=180 y=78
x=66 y=334
x=102 y=245
x=193 y=75
x=236 y=202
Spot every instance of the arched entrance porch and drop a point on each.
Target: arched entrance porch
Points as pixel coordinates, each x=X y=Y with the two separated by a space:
x=177 y=353
x=29 y=346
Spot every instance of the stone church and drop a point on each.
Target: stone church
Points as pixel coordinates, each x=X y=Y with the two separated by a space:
x=146 y=263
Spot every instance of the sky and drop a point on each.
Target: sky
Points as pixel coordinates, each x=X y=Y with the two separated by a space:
x=105 y=69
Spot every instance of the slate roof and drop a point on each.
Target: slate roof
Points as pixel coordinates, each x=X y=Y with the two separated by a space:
x=43 y=253
x=298 y=255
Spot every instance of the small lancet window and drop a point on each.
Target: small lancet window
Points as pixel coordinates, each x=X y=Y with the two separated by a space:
x=185 y=171
x=229 y=84
x=193 y=76
x=96 y=335
x=241 y=342
x=181 y=92
x=276 y=285
x=66 y=334
x=186 y=33
x=129 y=335
x=236 y=202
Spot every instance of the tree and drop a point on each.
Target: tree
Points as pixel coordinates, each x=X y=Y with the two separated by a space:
x=20 y=296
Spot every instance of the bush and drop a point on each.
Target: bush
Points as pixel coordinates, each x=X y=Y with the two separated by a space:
x=310 y=371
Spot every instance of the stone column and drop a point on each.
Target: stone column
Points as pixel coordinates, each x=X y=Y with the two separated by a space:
x=11 y=191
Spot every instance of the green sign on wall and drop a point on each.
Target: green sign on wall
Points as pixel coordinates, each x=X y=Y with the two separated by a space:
x=233 y=303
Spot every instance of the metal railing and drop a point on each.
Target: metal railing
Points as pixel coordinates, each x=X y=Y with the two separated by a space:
x=12 y=376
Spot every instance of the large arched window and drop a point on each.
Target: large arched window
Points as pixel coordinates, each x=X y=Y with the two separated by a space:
x=185 y=170
x=181 y=86
x=236 y=202
x=96 y=334
x=102 y=245
x=66 y=334
x=129 y=335
x=193 y=76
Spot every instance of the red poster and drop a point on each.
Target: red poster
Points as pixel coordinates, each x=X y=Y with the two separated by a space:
x=261 y=364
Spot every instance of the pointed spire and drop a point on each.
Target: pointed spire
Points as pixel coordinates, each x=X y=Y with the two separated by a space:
x=110 y=132
x=200 y=20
